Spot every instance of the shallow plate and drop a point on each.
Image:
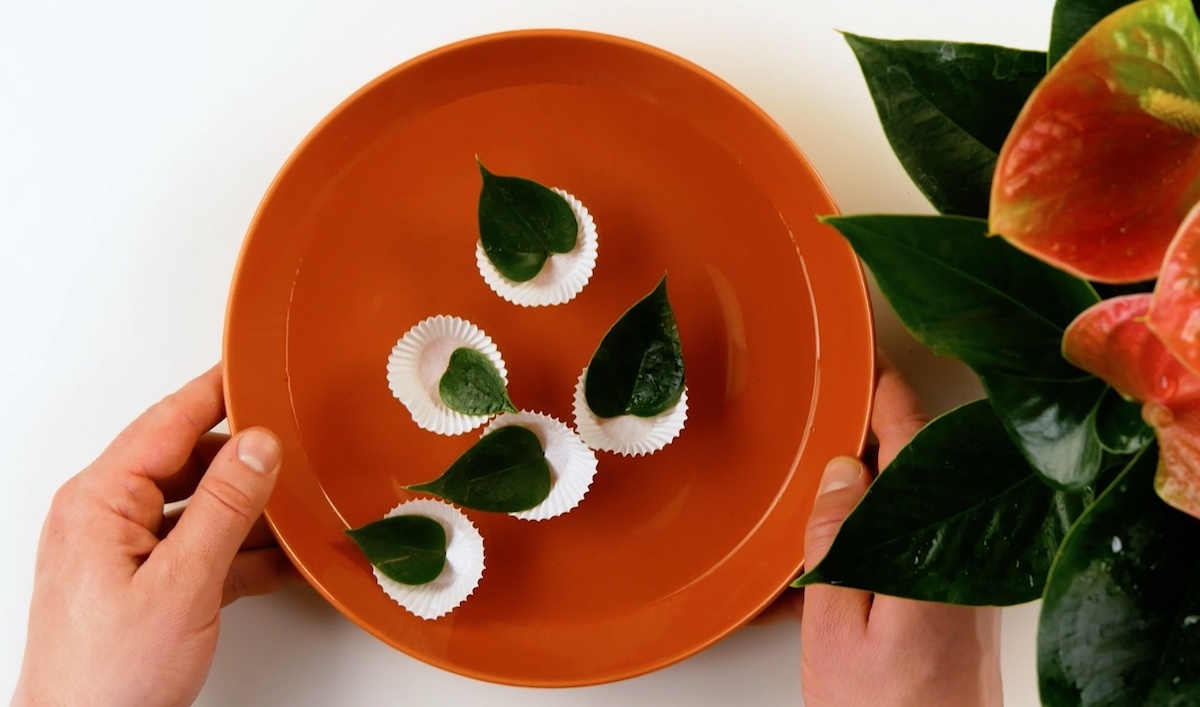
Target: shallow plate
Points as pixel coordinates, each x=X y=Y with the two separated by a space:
x=371 y=227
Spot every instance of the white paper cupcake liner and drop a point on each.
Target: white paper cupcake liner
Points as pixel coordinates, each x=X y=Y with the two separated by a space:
x=572 y=464
x=419 y=359
x=563 y=276
x=629 y=435
x=464 y=563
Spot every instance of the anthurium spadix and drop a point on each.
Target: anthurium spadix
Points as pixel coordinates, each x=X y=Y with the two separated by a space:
x=1112 y=341
x=1103 y=163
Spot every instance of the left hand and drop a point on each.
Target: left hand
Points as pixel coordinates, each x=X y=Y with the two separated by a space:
x=125 y=607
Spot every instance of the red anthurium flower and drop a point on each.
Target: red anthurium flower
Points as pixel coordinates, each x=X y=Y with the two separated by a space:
x=1103 y=162
x=1175 y=310
x=1112 y=341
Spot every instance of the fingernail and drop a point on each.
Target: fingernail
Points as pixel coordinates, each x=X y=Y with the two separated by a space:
x=840 y=472
x=258 y=450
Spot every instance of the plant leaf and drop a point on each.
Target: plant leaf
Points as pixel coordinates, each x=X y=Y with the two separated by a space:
x=1088 y=179
x=472 y=385
x=504 y=472
x=1121 y=620
x=1003 y=314
x=1072 y=19
x=521 y=223
x=1119 y=425
x=1111 y=340
x=638 y=367
x=946 y=108
x=409 y=549
x=1175 y=310
x=959 y=517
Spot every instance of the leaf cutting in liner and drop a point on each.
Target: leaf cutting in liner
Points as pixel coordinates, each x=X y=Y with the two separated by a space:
x=1104 y=161
x=522 y=223
x=504 y=472
x=1002 y=313
x=959 y=516
x=946 y=108
x=1175 y=310
x=1120 y=624
x=1112 y=341
x=638 y=367
x=472 y=385
x=410 y=549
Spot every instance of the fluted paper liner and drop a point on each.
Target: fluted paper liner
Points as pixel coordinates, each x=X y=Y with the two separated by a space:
x=629 y=435
x=464 y=562
x=563 y=275
x=572 y=464
x=419 y=359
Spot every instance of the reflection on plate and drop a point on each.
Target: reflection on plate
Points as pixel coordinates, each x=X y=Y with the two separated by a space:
x=370 y=228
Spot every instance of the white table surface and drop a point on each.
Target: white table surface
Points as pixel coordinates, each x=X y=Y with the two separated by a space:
x=136 y=140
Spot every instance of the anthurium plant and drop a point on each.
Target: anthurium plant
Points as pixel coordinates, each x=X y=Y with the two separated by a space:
x=1064 y=269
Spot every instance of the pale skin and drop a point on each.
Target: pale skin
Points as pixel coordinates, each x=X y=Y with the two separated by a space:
x=126 y=601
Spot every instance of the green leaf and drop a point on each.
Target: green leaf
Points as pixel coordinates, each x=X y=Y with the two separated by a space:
x=409 y=549
x=522 y=223
x=958 y=517
x=472 y=385
x=946 y=108
x=1119 y=425
x=1072 y=19
x=1121 y=620
x=504 y=472
x=1002 y=313
x=638 y=367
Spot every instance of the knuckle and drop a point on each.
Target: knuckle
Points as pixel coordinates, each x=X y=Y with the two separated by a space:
x=228 y=496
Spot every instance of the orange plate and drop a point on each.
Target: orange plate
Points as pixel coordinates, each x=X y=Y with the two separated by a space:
x=370 y=227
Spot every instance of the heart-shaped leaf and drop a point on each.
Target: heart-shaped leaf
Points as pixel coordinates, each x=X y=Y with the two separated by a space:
x=1097 y=172
x=1072 y=19
x=1175 y=309
x=410 y=549
x=1112 y=341
x=1120 y=624
x=1003 y=314
x=504 y=472
x=472 y=385
x=1119 y=425
x=638 y=367
x=959 y=516
x=946 y=108
x=522 y=223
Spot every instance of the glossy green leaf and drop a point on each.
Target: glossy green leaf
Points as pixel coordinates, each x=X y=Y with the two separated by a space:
x=1002 y=313
x=1119 y=425
x=409 y=549
x=1103 y=162
x=1072 y=19
x=959 y=516
x=1121 y=620
x=472 y=385
x=638 y=367
x=946 y=108
x=522 y=223
x=504 y=472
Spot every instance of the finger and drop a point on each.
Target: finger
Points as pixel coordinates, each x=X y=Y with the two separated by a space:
x=182 y=483
x=830 y=610
x=259 y=537
x=897 y=415
x=256 y=572
x=160 y=441
x=228 y=501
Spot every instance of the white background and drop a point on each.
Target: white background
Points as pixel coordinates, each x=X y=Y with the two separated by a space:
x=136 y=140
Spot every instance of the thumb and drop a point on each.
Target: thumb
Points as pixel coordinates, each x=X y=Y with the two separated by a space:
x=843 y=483
x=830 y=611
x=228 y=500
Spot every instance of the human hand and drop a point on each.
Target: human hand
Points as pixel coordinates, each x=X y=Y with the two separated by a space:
x=858 y=649
x=126 y=607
